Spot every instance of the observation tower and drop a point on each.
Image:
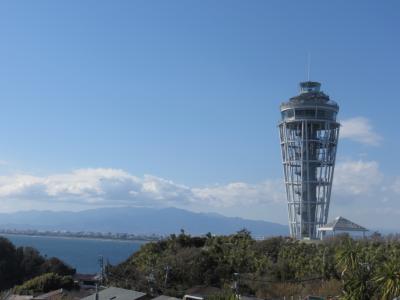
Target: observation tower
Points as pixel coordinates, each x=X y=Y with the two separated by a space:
x=309 y=136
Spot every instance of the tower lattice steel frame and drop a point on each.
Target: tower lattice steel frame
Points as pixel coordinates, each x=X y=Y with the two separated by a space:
x=309 y=136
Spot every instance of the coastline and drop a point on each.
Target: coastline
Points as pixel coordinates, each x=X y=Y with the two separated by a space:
x=78 y=252
x=76 y=237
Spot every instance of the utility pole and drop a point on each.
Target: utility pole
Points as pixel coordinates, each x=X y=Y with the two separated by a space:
x=324 y=262
x=97 y=291
x=167 y=268
x=101 y=265
x=150 y=281
x=236 y=285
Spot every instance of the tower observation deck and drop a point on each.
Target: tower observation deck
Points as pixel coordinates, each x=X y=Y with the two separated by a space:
x=309 y=136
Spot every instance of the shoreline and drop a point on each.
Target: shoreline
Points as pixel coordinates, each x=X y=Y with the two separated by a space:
x=36 y=235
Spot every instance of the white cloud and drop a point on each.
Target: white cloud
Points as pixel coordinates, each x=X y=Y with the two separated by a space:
x=362 y=193
x=357 y=177
x=359 y=129
x=396 y=186
x=360 y=190
x=117 y=187
x=91 y=186
x=239 y=193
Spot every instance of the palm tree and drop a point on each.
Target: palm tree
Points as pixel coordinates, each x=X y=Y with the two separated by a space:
x=356 y=272
x=388 y=279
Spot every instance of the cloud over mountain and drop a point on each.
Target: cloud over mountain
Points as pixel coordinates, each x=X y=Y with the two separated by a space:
x=113 y=186
x=358 y=185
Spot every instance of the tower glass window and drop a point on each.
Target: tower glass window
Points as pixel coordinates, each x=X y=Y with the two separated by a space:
x=287 y=114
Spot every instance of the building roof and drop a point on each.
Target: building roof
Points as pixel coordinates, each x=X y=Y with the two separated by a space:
x=310 y=97
x=19 y=297
x=50 y=295
x=84 y=277
x=163 y=297
x=202 y=291
x=249 y=298
x=113 y=293
x=342 y=224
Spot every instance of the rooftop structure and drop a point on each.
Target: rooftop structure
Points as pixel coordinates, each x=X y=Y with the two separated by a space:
x=57 y=294
x=309 y=135
x=19 y=297
x=163 y=297
x=342 y=224
x=201 y=292
x=116 y=294
x=86 y=281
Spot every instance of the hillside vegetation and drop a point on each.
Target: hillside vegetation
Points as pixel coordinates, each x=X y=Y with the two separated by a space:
x=18 y=265
x=362 y=269
x=45 y=283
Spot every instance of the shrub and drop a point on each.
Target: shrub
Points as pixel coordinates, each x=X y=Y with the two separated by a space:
x=45 y=283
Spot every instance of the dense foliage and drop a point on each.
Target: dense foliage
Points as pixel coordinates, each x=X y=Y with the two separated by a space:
x=353 y=269
x=45 y=283
x=20 y=264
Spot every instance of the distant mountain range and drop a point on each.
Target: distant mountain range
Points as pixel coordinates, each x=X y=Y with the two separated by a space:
x=137 y=220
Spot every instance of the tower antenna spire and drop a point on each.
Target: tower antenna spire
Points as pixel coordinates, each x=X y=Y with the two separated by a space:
x=308 y=65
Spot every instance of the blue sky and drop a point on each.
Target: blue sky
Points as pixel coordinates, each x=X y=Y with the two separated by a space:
x=182 y=98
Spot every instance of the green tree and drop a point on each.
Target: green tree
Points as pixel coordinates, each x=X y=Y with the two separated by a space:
x=388 y=278
x=224 y=295
x=57 y=266
x=8 y=264
x=356 y=271
x=45 y=283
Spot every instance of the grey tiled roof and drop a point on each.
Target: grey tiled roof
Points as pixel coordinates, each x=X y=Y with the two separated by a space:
x=113 y=293
x=342 y=224
x=49 y=295
x=163 y=297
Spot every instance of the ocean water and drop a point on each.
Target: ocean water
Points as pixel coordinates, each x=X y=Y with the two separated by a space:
x=82 y=254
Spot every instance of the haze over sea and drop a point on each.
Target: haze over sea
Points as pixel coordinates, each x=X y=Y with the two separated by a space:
x=81 y=254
